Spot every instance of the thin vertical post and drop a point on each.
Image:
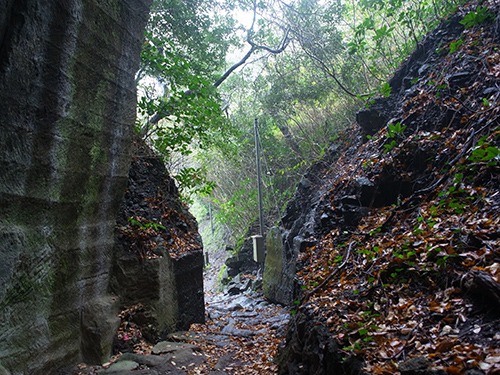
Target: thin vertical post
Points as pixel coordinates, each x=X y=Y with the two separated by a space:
x=259 y=177
x=211 y=218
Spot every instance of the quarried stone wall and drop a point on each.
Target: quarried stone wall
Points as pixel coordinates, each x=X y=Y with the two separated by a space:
x=67 y=109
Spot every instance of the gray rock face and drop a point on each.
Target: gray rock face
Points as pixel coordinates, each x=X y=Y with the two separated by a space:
x=279 y=271
x=67 y=109
x=171 y=288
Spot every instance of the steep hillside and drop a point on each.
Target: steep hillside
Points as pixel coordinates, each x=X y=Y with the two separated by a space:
x=396 y=234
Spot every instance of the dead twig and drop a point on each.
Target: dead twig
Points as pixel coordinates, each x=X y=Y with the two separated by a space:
x=329 y=277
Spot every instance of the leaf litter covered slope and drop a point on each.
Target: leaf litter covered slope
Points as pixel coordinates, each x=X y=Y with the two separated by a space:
x=152 y=221
x=419 y=275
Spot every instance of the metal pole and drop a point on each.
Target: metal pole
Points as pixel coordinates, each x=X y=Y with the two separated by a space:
x=259 y=177
x=211 y=218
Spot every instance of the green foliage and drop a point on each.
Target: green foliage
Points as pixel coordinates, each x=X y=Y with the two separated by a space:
x=455 y=45
x=477 y=17
x=385 y=90
x=383 y=33
x=395 y=130
x=220 y=274
x=150 y=225
x=341 y=54
x=184 y=50
x=240 y=208
x=369 y=253
x=388 y=147
x=193 y=181
x=485 y=152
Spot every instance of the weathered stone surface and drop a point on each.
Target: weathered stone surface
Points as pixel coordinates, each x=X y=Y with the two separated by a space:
x=67 y=109
x=237 y=332
x=188 y=271
x=243 y=260
x=121 y=366
x=4 y=371
x=148 y=281
x=172 y=347
x=99 y=322
x=279 y=271
x=375 y=117
x=413 y=365
x=311 y=350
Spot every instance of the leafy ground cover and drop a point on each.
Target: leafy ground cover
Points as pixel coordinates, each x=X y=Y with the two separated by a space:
x=419 y=276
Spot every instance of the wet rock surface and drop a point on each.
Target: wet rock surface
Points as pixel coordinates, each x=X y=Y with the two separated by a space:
x=240 y=336
x=67 y=112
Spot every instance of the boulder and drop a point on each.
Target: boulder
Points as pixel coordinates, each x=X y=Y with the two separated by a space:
x=375 y=117
x=149 y=266
x=99 y=324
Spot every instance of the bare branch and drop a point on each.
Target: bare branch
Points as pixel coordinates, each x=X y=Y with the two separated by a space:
x=332 y=74
x=253 y=47
x=235 y=66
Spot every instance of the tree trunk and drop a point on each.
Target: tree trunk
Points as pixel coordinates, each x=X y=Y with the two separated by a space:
x=288 y=137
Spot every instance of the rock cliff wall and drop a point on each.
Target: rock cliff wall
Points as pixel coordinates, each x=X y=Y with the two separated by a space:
x=67 y=109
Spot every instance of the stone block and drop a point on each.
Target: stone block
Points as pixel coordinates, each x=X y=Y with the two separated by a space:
x=279 y=272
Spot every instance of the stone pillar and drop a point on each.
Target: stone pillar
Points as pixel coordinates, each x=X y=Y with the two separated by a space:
x=279 y=269
x=67 y=110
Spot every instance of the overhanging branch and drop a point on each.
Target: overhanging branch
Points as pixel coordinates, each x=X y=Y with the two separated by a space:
x=153 y=120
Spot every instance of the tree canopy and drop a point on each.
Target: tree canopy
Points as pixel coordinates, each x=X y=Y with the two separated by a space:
x=301 y=67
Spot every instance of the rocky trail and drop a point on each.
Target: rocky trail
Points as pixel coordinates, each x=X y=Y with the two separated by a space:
x=241 y=336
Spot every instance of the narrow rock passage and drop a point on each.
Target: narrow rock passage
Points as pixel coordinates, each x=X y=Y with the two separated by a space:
x=241 y=336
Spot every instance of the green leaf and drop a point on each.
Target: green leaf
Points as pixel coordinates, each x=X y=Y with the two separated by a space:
x=455 y=45
x=480 y=15
x=385 y=90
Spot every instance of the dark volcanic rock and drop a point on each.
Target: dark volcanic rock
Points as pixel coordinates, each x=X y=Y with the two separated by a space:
x=311 y=350
x=243 y=260
x=372 y=119
x=414 y=366
x=158 y=250
x=370 y=183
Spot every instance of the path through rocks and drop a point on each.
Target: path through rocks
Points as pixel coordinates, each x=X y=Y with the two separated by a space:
x=241 y=336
